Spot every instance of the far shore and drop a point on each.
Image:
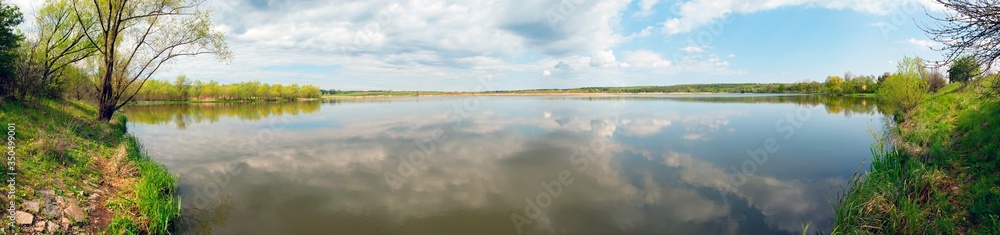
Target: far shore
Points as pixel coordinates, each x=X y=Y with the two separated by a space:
x=335 y=97
x=443 y=94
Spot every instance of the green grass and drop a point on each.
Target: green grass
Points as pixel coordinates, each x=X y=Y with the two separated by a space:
x=942 y=178
x=155 y=190
x=122 y=225
x=59 y=143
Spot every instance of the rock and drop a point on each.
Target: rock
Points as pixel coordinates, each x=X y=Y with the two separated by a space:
x=50 y=208
x=39 y=226
x=51 y=227
x=64 y=222
x=93 y=197
x=32 y=206
x=61 y=201
x=47 y=192
x=23 y=218
x=74 y=213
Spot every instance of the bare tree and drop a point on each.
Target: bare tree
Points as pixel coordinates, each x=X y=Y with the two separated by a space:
x=972 y=27
x=135 y=38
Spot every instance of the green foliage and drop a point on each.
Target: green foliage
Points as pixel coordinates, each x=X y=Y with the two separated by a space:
x=136 y=38
x=121 y=226
x=964 y=69
x=908 y=65
x=904 y=89
x=833 y=85
x=941 y=180
x=10 y=39
x=58 y=45
x=182 y=89
x=156 y=196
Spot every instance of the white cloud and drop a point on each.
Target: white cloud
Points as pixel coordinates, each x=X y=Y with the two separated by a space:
x=428 y=44
x=646 y=7
x=546 y=73
x=645 y=58
x=697 y=13
x=920 y=43
x=692 y=49
x=603 y=59
x=879 y=24
x=643 y=33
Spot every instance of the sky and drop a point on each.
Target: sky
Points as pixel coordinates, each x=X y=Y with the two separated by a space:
x=470 y=45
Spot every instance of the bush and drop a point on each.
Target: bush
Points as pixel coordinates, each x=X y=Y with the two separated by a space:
x=903 y=90
x=935 y=81
x=963 y=69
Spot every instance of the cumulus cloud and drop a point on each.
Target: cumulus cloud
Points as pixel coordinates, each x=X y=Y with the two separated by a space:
x=562 y=66
x=920 y=43
x=603 y=59
x=645 y=58
x=646 y=7
x=393 y=44
x=697 y=13
x=692 y=49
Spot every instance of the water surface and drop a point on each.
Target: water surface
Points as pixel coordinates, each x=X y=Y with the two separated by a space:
x=640 y=164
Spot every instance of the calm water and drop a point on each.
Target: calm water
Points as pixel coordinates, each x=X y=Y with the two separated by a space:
x=508 y=165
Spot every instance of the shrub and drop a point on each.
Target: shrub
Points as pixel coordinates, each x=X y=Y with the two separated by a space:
x=935 y=81
x=903 y=90
x=963 y=69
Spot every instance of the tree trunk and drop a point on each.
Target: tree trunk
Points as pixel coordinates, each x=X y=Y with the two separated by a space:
x=105 y=110
x=107 y=102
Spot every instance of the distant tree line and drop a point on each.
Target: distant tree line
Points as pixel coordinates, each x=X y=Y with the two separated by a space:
x=76 y=51
x=182 y=89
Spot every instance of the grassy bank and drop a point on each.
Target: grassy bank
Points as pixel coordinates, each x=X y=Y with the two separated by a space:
x=75 y=174
x=941 y=175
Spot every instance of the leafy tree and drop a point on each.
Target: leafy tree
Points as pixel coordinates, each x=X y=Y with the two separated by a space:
x=913 y=65
x=10 y=17
x=905 y=88
x=59 y=43
x=883 y=77
x=181 y=85
x=834 y=85
x=136 y=38
x=970 y=30
x=964 y=69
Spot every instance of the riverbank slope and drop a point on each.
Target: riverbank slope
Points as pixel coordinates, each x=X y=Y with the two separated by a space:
x=75 y=175
x=941 y=175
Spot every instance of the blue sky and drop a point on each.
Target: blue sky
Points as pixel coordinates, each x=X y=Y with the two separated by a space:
x=456 y=45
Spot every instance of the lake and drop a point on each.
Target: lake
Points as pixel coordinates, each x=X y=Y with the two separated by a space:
x=601 y=164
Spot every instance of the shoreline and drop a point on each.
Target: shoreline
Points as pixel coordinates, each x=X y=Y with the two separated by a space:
x=77 y=175
x=935 y=173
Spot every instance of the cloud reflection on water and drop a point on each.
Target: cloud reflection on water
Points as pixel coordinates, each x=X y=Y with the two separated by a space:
x=332 y=177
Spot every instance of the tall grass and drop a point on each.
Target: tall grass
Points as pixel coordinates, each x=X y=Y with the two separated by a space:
x=944 y=179
x=153 y=194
